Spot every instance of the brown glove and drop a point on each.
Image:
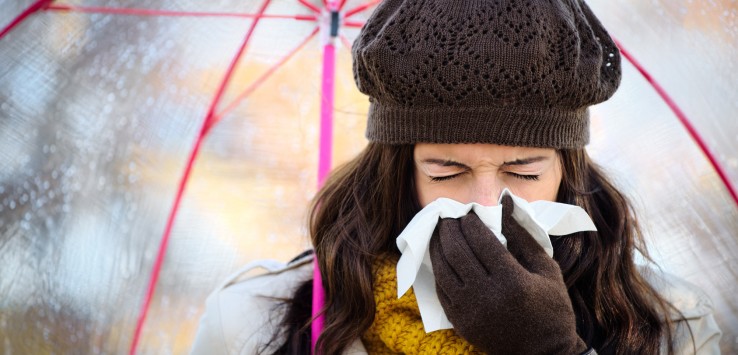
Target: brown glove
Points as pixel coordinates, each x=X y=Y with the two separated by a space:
x=502 y=302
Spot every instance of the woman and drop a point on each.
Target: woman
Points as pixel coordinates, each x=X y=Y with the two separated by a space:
x=469 y=98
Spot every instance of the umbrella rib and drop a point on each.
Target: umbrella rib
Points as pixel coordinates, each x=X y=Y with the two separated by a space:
x=153 y=12
x=360 y=8
x=355 y=24
x=346 y=42
x=310 y=6
x=183 y=182
x=35 y=7
x=684 y=121
x=262 y=78
x=341 y=4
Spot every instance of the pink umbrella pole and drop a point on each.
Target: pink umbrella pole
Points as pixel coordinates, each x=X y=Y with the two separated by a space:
x=326 y=113
x=324 y=160
x=324 y=165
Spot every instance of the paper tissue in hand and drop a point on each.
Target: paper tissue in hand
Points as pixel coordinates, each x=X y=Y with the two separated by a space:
x=539 y=218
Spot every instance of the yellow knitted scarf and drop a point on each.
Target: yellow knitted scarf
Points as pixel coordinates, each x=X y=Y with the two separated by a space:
x=397 y=327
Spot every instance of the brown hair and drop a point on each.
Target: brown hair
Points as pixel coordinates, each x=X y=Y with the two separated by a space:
x=367 y=203
x=617 y=311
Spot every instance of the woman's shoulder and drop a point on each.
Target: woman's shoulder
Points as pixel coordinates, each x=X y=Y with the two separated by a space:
x=696 y=331
x=241 y=314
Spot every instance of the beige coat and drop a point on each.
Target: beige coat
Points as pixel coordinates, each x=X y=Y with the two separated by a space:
x=238 y=320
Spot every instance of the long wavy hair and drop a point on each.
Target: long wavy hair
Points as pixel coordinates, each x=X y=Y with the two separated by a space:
x=366 y=203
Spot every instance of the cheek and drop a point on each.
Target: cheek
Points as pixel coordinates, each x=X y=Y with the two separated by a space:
x=422 y=190
x=540 y=190
x=547 y=188
x=428 y=192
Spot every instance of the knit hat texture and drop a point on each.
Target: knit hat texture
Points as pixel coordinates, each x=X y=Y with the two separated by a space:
x=509 y=72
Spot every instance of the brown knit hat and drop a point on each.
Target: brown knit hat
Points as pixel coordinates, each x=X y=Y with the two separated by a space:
x=510 y=72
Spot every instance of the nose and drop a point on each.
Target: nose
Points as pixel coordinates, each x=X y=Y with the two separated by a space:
x=486 y=191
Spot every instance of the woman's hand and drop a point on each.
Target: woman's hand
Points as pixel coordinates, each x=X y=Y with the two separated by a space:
x=502 y=302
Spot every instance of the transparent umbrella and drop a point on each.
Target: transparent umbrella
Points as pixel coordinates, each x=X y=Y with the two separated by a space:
x=104 y=104
x=104 y=107
x=687 y=208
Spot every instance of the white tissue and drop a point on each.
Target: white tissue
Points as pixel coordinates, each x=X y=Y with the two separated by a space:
x=539 y=218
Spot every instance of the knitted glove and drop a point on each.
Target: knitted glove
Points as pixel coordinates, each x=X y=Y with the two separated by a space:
x=503 y=302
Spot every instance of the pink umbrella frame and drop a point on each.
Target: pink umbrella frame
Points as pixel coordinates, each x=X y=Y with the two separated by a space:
x=329 y=19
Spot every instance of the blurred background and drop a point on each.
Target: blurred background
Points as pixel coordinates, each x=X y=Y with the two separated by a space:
x=99 y=112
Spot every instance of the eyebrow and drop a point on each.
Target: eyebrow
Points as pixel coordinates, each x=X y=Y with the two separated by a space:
x=443 y=162
x=525 y=161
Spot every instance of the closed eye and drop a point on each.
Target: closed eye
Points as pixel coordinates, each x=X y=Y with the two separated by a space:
x=524 y=177
x=444 y=178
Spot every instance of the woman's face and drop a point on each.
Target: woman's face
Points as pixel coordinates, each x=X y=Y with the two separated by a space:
x=479 y=172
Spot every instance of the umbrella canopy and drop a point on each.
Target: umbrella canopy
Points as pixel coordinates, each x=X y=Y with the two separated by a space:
x=100 y=114
x=688 y=214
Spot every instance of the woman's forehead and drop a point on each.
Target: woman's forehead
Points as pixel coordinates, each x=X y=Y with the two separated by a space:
x=463 y=152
